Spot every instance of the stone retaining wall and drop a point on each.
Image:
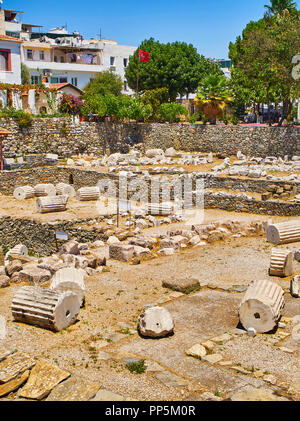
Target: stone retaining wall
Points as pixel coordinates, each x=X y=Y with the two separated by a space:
x=40 y=237
x=62 y=136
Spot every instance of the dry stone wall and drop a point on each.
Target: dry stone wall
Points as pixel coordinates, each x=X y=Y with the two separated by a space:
x=65 y=138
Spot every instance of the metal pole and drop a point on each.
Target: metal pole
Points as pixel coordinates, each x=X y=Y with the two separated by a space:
x=1 y=154
x=137 y=78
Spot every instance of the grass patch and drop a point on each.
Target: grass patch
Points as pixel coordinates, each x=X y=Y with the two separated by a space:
x=137 y=368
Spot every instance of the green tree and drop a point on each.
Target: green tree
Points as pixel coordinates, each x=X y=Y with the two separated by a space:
x=104 y=83
x=280 y=6
x=262 y=61
x=155 y=98
x=176 y=66
x=25 y=75
x=212 y=96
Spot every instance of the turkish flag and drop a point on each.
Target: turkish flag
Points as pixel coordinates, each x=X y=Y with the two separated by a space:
x=144 y=57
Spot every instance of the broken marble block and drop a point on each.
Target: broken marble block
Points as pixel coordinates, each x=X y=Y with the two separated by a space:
x=155 y=322
x=295 y=287
x=34 y=275
x=122 y=252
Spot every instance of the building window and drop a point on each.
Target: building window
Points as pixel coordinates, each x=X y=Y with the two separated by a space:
x=55 y=59
x=62 y=59
x=29 y=55
x=5 y=60
x=35 y=80
x=74 y=81
x=63 y=80
x=125 y=60
x=42 y=55
x=112 y=61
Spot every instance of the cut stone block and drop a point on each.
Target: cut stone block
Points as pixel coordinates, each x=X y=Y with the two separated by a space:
x=295 y=287
x=34 y=275
x=45 y=308
x=14 y=365
x=4 y=352
x=281 y=263
x=51 y=204
x=4 y=281
x=74 y=389
x=155 y=322
x=70 y=279
x=14 y=266
x=122 y=252
x=171 y=380
x=71 y=247
x=25 y=192
x=284 y=232
x=163 y=209
x=43 y=378
x=181 y=285
x=261 y=306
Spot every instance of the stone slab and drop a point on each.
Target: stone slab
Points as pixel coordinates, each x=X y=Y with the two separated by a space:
x=4 y=352
x=106 y=395
x=74 y=389
x=170 y=379
x=14 y=365
x=13 y=385
x=43 y=378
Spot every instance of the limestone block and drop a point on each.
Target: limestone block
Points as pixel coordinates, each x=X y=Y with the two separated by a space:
x=141 y=251
x=295 y=287
x=63 y=189
x=113 y=240
x=34 y=275
x=155 y=322
x=88 y=193
x=70 y=279
x=164 y=209
x=261 y=306
x=284 y=232
x=46 y=308
x=74 y=389
x=168 y=251
x=51 y=204
x=25 y=192
x=71 y=247
x=42 y=190
x=4 y=281
x=281 y=263
x=170 y=152
x=14 y=266
x=154 y=153
x=14 y=365
x=122 y=252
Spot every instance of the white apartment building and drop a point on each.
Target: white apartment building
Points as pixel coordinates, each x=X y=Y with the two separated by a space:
x=10 y=54
x=74 y=60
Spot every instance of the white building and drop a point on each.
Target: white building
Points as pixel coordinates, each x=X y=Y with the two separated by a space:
x=10 y=55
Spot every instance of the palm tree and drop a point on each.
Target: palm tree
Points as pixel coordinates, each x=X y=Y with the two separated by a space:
x=280 y=6
x=212 y=96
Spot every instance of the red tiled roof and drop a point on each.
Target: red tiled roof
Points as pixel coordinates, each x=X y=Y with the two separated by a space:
x=4 y=131
x=7 y=38
x=58 y=86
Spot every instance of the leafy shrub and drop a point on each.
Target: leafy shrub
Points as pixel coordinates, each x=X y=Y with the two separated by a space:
x=171 y=112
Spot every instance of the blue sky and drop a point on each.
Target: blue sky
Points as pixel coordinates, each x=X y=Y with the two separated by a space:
x=208 y=25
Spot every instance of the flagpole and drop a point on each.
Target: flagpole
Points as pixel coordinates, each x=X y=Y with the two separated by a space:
x=138 y=77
